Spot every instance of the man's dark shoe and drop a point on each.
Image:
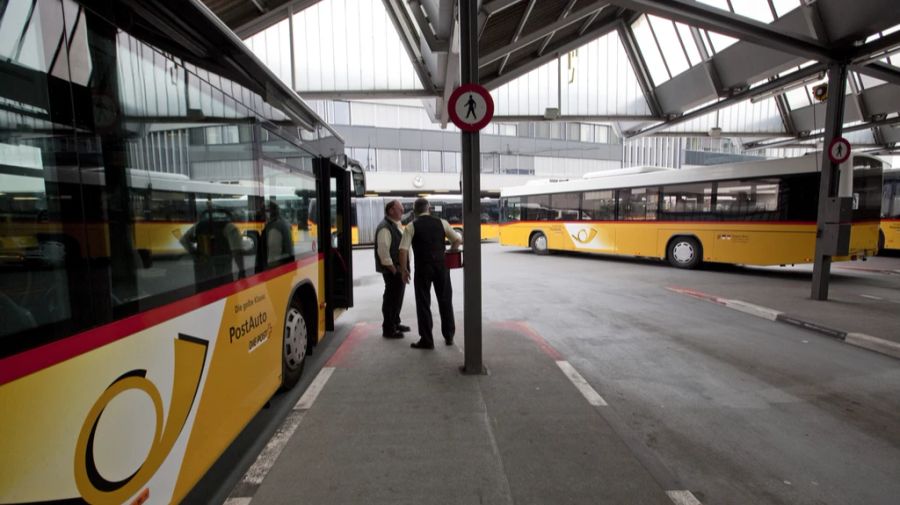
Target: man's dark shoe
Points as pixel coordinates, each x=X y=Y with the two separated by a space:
x=402 y=327
x=421 y=345
x=395 y=334
x=448 y=341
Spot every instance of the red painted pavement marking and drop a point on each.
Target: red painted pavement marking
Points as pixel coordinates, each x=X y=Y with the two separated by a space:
x=523 y=327
x=353 y=339
x=697 y=294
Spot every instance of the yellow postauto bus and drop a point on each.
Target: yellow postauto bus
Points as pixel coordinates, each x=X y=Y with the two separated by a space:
x=889 y=235
x=755 y=213
x=156 y=287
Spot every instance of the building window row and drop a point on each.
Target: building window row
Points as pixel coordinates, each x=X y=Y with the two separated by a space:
x=403 y=160
x=344 y=113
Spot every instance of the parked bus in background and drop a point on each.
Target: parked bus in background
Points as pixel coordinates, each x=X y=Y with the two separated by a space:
x=755 y=213
x=889 y=235
x=369 y=211
x=158 y=282
x=450 y=207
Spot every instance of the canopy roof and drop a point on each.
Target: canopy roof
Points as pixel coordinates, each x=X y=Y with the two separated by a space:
x=657 y=67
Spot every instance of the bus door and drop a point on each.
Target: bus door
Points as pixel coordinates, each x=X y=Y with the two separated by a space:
x=335 y=237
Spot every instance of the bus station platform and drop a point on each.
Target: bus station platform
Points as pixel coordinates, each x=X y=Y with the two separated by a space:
x=383 y=423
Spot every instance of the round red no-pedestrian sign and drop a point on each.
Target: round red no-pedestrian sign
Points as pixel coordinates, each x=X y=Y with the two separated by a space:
x=839 y=150
x=470 y=107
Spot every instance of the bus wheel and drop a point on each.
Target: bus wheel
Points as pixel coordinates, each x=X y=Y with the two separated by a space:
x=539 y=244
x=684 y=252
x=296 y=339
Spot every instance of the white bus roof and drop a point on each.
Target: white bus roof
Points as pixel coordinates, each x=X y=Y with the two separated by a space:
x=625 y=171
x=803 y=164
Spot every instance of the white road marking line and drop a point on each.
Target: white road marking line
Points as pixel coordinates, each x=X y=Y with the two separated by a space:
x=683 y=498
x=312 y=392
x=870 y=297
x=266 y=459
x=586 y=390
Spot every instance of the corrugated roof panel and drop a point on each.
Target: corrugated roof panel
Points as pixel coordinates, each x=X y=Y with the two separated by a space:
x=598 y=80
x=595 y=80
x=760 y=117
x=366 y=54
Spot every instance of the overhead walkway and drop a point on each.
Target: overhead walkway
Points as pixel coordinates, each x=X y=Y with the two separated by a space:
x=387 y=424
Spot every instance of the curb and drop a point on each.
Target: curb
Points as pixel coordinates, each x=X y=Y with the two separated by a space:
x=824 y=330
x=876 y=344
x=868 y=342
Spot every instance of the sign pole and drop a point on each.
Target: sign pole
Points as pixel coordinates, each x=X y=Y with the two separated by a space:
x=828 y=183
x=471 y=189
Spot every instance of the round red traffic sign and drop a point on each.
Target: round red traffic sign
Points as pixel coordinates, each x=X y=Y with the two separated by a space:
x=471 y=107
x=839 y=150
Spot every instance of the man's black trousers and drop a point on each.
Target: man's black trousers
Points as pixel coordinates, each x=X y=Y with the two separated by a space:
x=427 y=274
x=391 y=302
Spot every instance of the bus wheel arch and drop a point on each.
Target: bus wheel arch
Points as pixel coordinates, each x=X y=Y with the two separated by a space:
x=300 y=331
x=684 y=251
x=538 y=243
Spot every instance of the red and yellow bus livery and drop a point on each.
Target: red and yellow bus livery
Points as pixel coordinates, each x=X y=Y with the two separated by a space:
x=158 y=279
x=756 y=213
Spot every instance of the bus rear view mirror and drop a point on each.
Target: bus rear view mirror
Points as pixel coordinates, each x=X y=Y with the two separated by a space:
x=358 y=176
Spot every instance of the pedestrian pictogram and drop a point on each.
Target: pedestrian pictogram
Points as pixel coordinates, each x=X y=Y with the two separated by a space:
x=471 y=107
x=839 y=150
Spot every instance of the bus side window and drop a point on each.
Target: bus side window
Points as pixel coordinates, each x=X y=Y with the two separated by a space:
x=511 y=209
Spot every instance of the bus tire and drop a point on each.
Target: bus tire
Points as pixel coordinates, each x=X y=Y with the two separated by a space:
x=296 y=345
x=684 y=252
x=539 y=244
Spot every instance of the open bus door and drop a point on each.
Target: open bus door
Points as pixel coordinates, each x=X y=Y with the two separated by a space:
x=334 y=230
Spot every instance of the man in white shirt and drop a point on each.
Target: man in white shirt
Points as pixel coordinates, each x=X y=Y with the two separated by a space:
x=387 y=261
x=426 y=237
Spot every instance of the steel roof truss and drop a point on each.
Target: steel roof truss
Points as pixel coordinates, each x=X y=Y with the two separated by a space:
x=641 y=72
x=879 y=70
x=565 y=12
x=518 y=33
x=755 y=146
x=592 y=34
x=530 y=38
x=410 y=39
x=717 y=20
x=735 y=98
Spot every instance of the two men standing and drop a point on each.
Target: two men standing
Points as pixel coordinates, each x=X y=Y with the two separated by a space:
x=426 y=237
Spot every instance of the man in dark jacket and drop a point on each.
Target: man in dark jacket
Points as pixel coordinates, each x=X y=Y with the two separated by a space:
x=426 y=237
x=387 y=261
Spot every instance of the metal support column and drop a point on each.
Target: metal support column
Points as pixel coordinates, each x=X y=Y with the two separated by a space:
x=471 y=167
x=293 y=56
x=828 y=184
